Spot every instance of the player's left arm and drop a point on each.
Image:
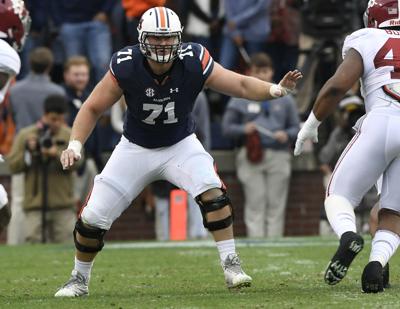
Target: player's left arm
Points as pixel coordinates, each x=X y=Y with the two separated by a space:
x=251 y=88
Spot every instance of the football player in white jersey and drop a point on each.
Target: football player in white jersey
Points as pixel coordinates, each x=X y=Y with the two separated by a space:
x=160 y=79
x=14 y=26
x=372 y=54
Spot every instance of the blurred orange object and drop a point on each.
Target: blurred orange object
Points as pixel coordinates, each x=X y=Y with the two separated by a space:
x=135 y=8
x=178 y=215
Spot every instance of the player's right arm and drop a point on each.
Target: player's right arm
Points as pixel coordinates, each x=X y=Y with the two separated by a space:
x=347 y=74
x=103 y=96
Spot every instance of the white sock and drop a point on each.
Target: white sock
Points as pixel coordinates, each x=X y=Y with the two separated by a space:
x=84 y=268
x=384 y=245
x=340 y=214
x=225 y=247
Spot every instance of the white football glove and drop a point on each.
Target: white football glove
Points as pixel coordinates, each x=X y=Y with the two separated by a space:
x=3 y=197
x=277 y=91
x=308 y=131
x=76 y=147
x=286 y=85
x=72 y=154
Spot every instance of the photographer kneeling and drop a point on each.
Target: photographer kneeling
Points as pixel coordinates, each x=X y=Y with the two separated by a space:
x=48 y=200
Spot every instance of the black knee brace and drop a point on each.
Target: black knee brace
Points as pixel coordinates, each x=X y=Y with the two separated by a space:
x=213 y=205
x=88 y=232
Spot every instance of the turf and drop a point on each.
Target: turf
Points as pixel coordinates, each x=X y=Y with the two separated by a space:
x=287 y=273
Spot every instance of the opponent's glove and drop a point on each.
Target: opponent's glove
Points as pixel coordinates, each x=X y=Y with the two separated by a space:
x=308 y=131
x=3 y=193
x=3 y=197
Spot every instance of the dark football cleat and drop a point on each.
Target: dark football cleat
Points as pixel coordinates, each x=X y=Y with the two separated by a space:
x=385 y=273
x=350 y=245
x=372 y=278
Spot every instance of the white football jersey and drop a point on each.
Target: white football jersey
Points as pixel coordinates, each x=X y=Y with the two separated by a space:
x=380 y=51
x=10 y=64
x=9 y=59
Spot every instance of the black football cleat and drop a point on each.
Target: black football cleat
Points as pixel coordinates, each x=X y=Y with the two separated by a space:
x=372 y=278
x=385 y=273
x=349 y=246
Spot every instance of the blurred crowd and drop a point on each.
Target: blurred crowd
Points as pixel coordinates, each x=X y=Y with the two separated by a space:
x=68 y=51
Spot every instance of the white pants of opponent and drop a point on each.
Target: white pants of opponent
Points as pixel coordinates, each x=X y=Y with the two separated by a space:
x=131 y=167
x=374 y=150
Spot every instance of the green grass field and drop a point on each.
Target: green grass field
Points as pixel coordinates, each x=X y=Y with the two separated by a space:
x=287 y=273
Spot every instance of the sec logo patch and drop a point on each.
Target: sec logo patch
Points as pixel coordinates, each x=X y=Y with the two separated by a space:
x=150 y=92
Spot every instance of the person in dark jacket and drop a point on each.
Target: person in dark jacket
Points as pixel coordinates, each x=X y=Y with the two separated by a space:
x=85 y=31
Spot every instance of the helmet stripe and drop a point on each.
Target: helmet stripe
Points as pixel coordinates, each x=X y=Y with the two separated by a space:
x=166 y=13
x=162 y=16
x=156 y=15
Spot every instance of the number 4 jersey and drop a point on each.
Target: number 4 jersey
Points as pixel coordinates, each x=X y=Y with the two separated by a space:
x=159 y=113
x=380 y=51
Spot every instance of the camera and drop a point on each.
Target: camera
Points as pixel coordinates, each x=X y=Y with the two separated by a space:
x=45 y=139
x=329 y=18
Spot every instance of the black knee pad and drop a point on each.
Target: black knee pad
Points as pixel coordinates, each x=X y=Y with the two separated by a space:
x=91 y=233
x=213 y=205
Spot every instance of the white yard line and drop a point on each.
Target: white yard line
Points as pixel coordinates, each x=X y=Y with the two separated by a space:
x=257 y=243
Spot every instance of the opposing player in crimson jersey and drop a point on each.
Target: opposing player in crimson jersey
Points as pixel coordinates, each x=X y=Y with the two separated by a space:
x=372 y=54
x=14 y=27
x=160 y=79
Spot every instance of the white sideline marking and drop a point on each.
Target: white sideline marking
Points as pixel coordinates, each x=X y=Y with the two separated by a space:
x=241 y=243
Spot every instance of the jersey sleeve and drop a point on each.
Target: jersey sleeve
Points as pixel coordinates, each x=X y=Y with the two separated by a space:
x=121 y=65
x=203 y=57
x=9 y=59
x=355 y=41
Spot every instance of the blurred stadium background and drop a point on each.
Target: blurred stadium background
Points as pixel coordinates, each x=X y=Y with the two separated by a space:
x=287 y=271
